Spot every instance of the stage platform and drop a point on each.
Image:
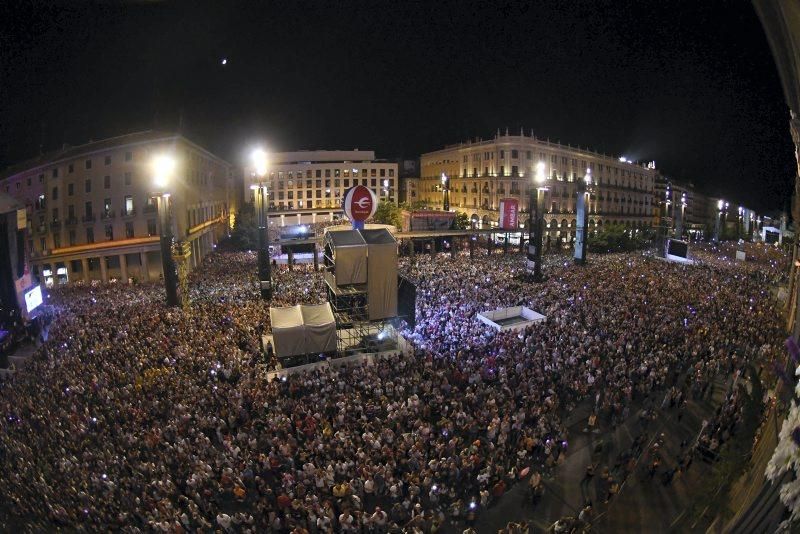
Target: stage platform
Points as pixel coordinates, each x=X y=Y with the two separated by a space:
x=368 y=358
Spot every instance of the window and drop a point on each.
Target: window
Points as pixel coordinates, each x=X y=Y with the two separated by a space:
x=71 y=212
x=502 y=154
x=57 y=240
x=55 y=193
x=41 y=178
x=383 y=173
x=110 y=232
x=347 y=182
x=514 y=170
x=71 y=168
x=337 y=173
x=72 y=238
x=128 y=156
x=28 y=181
x=90 y=235
x=529 y=155
x=88 y=186
x=88 y=211
x=373 y=172
x=502 y=170
x=88 y=164
x=55 y=173
x=128 y=204
x=318 y=183
x=151 y=227
x=129 y=229
x=70 y=189
x=327 y=173
x=108 y=160
x=363 y=173
x=106 y=205
x=106 y=182
x=318 y=173
x=373 y=182
x=514 y=154
x=42 y=244
x=55 y=214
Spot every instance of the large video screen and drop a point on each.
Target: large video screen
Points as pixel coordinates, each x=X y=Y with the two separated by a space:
x=678 y=248
x=33 y=298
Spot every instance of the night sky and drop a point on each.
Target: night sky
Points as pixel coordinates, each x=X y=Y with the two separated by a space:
x=689 y=84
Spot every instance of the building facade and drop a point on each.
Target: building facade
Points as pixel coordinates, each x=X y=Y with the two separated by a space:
x=484 y=171
x=307 y=186
x=92 y=214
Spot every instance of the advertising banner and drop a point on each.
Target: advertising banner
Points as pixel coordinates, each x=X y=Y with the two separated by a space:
x=509 y=208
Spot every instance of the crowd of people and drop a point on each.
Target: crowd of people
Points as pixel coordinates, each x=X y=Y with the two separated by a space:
x=135 y=416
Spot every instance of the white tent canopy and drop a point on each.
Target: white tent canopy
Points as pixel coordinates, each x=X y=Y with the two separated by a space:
x=298 y=330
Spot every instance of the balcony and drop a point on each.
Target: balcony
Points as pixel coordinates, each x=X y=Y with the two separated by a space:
x=516 y=192
x=55 y=226
x=128 y=213
x=149 y=208
x=107 y=214
x=89 y=218
x=71 y=221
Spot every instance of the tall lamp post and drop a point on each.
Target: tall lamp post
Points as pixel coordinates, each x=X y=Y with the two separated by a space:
x=163 y=170
x=718 y=226
x=264 y=267
x=446 y=192
x=739 y=222
x=679 y=217
x=582 y=209
x=533 y=263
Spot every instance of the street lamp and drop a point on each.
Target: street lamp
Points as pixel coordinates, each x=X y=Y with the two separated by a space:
x=446 y=192
x=581 y=232
x=680 y=216
x=259 y=158
x=163 y=171
x=533 y=264
x=718 y=227
x=739 y=222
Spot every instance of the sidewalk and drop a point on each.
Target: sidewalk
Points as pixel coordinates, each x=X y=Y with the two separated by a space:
x=642 y=505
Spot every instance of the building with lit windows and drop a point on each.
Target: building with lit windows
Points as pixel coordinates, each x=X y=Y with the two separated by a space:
x=307 y=186
x=482 y=172
x=91 y=212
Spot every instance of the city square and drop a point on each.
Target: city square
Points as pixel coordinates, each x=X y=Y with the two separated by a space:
x=298 y=281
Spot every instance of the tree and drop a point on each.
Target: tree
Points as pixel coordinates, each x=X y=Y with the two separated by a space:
x=462 y=221
x=415 y=205
x=245 y=230
x=615 y=238
x=388 y=213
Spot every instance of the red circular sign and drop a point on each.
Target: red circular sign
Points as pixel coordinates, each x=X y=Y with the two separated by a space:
x=359 y=203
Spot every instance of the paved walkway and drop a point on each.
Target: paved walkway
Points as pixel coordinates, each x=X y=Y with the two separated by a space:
x=643 y=504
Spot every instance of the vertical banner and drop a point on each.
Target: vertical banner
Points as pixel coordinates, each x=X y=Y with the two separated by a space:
x=509 y=210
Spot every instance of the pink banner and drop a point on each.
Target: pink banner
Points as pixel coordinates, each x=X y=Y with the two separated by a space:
x=509 y=208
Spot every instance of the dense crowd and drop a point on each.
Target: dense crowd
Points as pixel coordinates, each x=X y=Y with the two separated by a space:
x=134 y=416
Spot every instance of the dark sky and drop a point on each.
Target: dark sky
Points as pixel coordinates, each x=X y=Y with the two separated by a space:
x=690 y=84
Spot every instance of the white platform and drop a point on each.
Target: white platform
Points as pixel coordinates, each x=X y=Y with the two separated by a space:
x=513 y=318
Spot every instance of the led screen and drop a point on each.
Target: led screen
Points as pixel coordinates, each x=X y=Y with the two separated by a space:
x=33 y=298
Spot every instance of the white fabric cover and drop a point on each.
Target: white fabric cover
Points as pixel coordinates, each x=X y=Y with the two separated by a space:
x=298 y=330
